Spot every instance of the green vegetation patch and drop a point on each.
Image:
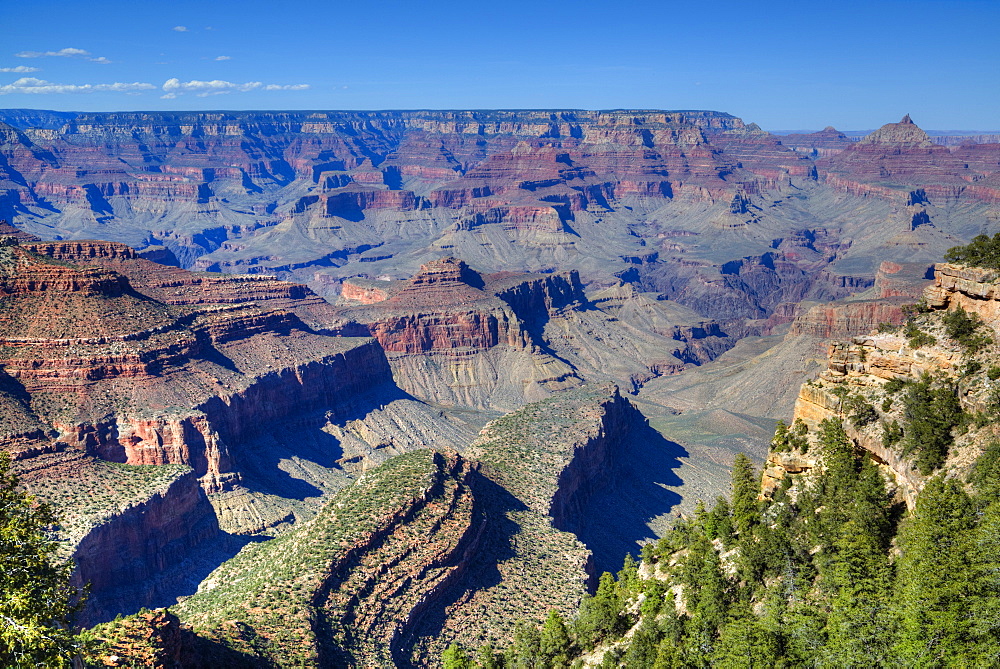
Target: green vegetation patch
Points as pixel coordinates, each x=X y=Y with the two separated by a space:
x=982 y=251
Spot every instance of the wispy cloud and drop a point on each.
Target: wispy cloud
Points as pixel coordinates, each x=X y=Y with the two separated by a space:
x=223 y=58
x=68 y=52
x=35 y=86
x=180 y=29
x=175 y=87
x=20 y=69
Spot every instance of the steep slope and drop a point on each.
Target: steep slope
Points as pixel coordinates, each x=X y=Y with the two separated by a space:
x=425 y=548
x=869 y=539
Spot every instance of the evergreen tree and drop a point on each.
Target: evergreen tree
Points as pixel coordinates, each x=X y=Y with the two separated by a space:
x=628 y=577
x=488 y=658
x=601 y=615
x=860 y=626
x=37 y=603
x=526 y=651
x=719 y=522
x=745 y=642
x=642 y=650
x=555 y=641
x=668 y=655
x=746 y=487
x=932 y=410
x=936 y=579
x=984 y=609
x=707 y=597
x=455 y=658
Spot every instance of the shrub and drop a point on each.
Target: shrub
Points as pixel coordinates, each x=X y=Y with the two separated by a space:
x=982 y=251
x=931 y=411
x=860 y=412
x=962 y=327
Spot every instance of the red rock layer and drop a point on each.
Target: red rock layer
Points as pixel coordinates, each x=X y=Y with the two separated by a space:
x=899 y=158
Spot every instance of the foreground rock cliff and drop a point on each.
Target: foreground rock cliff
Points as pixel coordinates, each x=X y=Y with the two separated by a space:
x=947 y=343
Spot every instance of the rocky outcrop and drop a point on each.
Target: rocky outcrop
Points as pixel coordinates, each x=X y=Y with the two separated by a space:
x=973 y=288
x=863 y=365
x=827 y=142
x=899 y=158
x=350 y=582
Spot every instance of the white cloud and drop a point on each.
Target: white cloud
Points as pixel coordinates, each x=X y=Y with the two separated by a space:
x=223 y=57
x=180 y=29
x=174 y=87
x=20 y=69
x=68 y=52
x=31 y=85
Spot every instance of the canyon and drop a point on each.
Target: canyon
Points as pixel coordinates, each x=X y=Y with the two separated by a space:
x=228 y=339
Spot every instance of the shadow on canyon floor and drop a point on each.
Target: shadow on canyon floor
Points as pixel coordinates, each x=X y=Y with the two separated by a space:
x=265 y=461
x=617 y=517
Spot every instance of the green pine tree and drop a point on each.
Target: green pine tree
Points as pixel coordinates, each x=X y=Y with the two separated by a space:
x=746 y=487
x=936 y=577
x=600 y=615
x=555 y=642
x=37 y=602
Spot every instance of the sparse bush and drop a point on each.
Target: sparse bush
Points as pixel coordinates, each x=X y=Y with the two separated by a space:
x=860 y=412
x=962 y=327
x=982 y=251
x=891 y=434
x=893 y=386
x=917 y=338
x=887 y=328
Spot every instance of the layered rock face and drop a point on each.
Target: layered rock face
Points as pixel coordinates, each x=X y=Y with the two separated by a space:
x=666 y=199
x=105 y=392
x=96 y=370
x=862 y=366
x=457 y=337
x=412 y=548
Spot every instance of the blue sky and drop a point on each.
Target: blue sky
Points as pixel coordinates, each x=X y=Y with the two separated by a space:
x=784 y=65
